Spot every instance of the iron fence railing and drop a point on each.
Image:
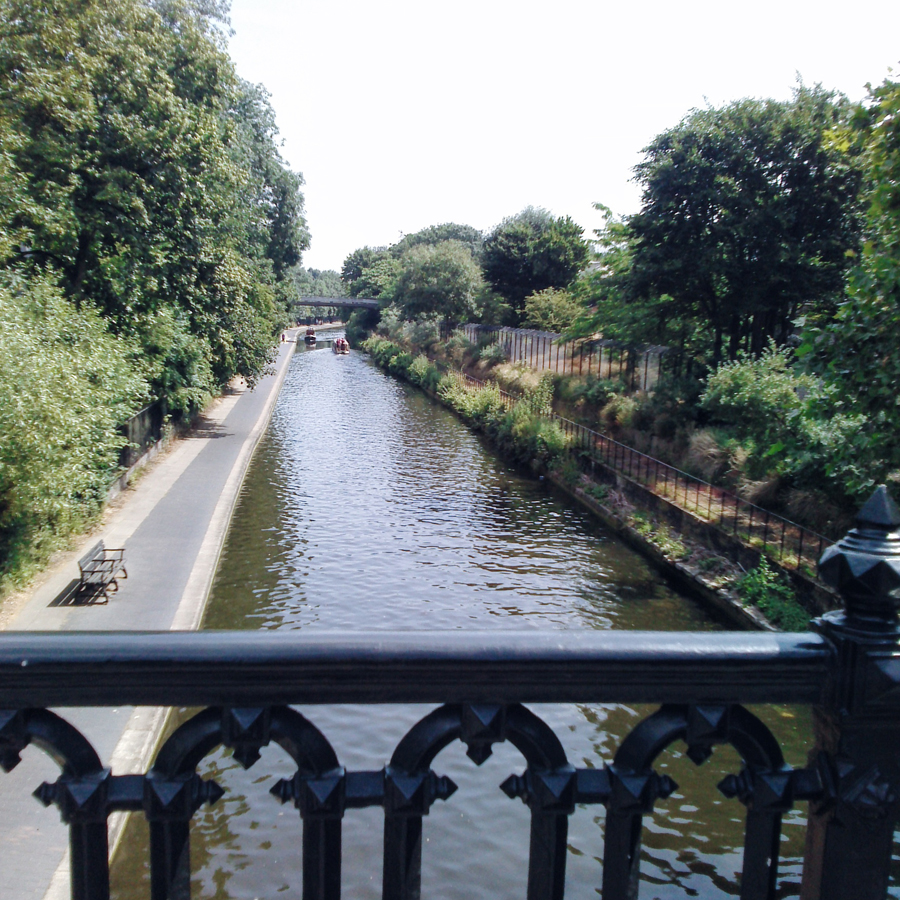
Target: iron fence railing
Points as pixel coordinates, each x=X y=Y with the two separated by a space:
x=790 y=544
x=638 y=367
x=847 y=668
x=141 y=431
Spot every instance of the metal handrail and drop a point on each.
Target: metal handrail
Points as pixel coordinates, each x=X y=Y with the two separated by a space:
x=237 y=668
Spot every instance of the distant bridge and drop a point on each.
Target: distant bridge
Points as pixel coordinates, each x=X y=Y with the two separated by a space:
x=351 y=302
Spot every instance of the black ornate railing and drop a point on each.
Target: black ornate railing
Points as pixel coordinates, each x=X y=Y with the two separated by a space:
x=848 y=669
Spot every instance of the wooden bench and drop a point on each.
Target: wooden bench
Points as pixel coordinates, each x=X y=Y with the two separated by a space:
x=100 y=568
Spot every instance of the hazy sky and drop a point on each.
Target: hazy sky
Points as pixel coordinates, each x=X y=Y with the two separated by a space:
x=405 y=114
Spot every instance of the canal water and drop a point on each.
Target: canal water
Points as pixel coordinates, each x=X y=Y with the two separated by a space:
x=369 y=508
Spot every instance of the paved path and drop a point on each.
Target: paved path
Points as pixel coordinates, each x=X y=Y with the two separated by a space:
x=172 y=525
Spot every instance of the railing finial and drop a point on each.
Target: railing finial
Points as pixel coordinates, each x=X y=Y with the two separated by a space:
x=865 y=564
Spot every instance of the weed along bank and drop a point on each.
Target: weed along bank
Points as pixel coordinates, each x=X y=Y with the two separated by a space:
x=709 y=540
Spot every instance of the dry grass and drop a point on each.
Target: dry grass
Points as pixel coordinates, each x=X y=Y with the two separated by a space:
x=516 y=378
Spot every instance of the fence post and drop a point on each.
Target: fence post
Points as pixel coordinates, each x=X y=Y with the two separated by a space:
x=849 y=836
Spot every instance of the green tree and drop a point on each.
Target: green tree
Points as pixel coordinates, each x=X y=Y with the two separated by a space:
x=437 y=234
x=530 y=252
x=441 y=279
x=858 y=348
x=318 y=283
x=356 y=264
x=748 y=213
x=65 y=385
x=147 y=179
x=551 y=310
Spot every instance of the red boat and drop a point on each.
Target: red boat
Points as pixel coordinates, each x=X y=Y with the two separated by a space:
x=340 y=345
x=310 y=335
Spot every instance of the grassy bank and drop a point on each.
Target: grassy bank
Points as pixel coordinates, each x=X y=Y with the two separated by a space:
x=523 y=434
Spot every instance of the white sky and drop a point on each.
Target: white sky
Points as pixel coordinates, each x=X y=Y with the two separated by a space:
x=405 y=114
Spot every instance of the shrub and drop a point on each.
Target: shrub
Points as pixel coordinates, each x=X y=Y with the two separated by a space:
x=761 y=398
x=493 y=354
x=619 y=411
x=65 y=385
x=770 y=592
x=424 y=373
x=459 y=349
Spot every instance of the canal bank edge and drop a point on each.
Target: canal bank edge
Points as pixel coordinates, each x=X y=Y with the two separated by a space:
x=688 y=579
x=724 y=601
x=148 y=726
x=196 y=593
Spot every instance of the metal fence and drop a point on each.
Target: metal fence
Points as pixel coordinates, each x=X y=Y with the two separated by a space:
x=791 y=544
x=141 y=431
x=848 y=670
x=637 y=367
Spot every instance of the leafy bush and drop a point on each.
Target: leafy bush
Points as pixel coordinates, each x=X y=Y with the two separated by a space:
x=588 y=390
x=493 y=354
x=771 y=594
x=65 y=385
x=551 y=309
x=762 y=399
x=540 y=398
x=525 y=436
x=459 y=349
x=424 y=373
x=619 y=411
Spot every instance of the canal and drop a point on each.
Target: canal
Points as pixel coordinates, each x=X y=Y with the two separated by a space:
x=370 y=508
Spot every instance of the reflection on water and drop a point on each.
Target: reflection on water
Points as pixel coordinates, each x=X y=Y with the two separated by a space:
x=369 y=508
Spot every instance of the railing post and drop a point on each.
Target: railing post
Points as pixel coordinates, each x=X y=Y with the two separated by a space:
x=848 y=850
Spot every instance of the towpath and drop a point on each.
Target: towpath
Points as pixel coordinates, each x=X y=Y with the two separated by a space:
x=172 y=524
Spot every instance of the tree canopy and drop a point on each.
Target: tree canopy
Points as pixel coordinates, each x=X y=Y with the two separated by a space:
x=748 y=212
x=145 y=176
x=148 y=230
x=439 y=279
x=530 y=252
x=857 y=349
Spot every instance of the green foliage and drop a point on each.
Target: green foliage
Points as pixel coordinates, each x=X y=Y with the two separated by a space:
x=439 y=279
x=65 y=386
x=748 y=212
x=361 y=324
x=788 y=423
x=539 y=399
x=438 y=234
x=659 y=535
x=858 y=348
x=420 y=334
x=458 y=348
x=524 y=435
x=493 y=354
x=145 y=176
x=590 y=391
x=531 y=252
x=551 y=309
x=317 y=282
x=424 y=373
x=773 y=596
x=355 y=265
x=619 y=410
x=762 y=398
x=148 y=229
